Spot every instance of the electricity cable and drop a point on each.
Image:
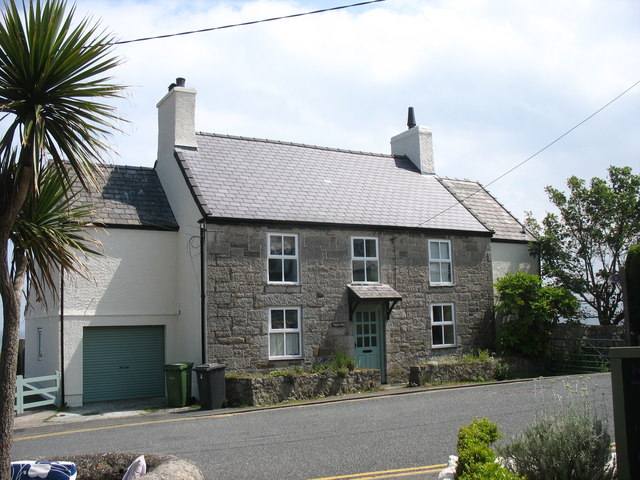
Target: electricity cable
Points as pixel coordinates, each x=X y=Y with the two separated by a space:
x=481 y=188
x=244 y=24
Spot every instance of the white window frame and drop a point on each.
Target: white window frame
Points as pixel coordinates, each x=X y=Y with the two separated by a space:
x=443 y=324
x=440 y=262
x=365 y=259
x=286 y=331
x=40 y=344
x=282 y=257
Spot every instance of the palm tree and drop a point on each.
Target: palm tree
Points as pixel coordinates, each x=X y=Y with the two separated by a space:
x=53 y=86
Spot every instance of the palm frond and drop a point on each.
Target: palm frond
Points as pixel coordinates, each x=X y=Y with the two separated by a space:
x=53 y=77
x=54 y=233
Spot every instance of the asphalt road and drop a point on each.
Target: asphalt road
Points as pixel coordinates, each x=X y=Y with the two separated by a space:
x=317 y=440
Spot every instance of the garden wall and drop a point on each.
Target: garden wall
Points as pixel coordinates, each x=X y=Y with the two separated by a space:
x=454 y=372
x=268 y=390
x=568 y=332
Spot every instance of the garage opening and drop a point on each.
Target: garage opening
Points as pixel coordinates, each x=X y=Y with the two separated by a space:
x=123 y=363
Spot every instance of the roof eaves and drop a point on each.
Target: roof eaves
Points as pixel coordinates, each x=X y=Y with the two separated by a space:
x=355 y=226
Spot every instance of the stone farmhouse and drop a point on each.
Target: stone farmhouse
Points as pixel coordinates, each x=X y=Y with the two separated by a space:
x=264 y=254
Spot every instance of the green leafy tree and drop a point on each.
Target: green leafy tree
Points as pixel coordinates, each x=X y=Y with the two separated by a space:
x=582 y=245
x=53 y=86
x=528 y=311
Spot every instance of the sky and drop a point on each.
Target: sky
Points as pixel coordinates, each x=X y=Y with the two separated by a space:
x=494 y=80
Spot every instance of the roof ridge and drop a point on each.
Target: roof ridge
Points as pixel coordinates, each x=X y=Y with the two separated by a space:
x=295 y=144
x=130 y=167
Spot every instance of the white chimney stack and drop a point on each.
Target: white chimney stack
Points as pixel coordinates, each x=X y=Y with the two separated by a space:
x=416 y=144
x=176 y=119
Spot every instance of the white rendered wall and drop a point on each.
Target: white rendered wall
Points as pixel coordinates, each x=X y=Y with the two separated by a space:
x=187 y=252
x=512 y=258
x=132 y=283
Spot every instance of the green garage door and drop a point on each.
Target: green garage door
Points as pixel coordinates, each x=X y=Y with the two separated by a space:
x=122 y=362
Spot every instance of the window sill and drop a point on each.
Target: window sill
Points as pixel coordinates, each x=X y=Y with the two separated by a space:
x=440 y=347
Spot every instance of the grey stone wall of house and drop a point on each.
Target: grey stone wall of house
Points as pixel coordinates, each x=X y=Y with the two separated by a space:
x=238 y=295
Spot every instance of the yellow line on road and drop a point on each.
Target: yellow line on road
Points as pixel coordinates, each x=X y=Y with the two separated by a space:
x=181 y=419
x=124 y=425
x=400 y=472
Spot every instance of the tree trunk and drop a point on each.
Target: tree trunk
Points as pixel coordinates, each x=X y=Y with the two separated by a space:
x=11 y=292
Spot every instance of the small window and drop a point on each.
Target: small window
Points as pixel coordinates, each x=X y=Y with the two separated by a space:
x=443 y=325
x=285 y=333
x=364 y=259
x=440 y=265
x=40 y=343
x=283 y=258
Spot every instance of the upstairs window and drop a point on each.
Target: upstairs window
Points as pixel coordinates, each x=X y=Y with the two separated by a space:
x=440 y=264
x=443 y=325
x=364 y=259
x=285 y=334
x=283 y=258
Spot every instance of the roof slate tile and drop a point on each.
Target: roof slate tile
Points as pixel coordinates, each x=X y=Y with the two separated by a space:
x=129 y=196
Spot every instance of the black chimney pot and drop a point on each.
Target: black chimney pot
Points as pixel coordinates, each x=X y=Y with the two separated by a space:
x=411 y=120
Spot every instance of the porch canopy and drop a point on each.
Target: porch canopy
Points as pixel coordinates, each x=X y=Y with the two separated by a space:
x=372 y=294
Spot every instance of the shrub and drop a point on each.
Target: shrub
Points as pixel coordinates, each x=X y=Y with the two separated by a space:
x=476 y=356
x=473 y=444
x=476 y=458
x=490 y=471
x=502 y=371
x=570 y=443
x=529 y=310
x=342 y=364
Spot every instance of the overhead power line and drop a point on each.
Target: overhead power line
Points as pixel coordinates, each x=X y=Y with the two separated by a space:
x=462 y=200
x=244 y=24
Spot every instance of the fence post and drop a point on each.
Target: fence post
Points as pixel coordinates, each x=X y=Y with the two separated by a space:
x=19 y=399
x=58 y=400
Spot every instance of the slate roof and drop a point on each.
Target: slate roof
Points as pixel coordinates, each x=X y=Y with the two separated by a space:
x=130 y=197
x=488 y=210
x=255 y=179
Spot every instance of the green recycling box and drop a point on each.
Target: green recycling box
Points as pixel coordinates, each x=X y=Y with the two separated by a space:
x=178 y=377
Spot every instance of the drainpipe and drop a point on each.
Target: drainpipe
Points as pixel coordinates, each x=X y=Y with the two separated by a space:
x=203 y=293
x=62 y=336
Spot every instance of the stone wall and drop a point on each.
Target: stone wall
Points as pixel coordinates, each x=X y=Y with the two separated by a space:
x=490 y=369
x=278 y=389
x=238 y=296
x=567 y=332
x=451 y=372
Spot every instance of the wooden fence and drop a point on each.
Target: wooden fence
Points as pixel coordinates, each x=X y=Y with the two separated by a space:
x=28 y=388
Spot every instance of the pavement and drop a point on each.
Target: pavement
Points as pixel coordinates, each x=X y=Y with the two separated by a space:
x=50 y=415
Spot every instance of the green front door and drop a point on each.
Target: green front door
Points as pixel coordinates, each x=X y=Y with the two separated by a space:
x=369 y=338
